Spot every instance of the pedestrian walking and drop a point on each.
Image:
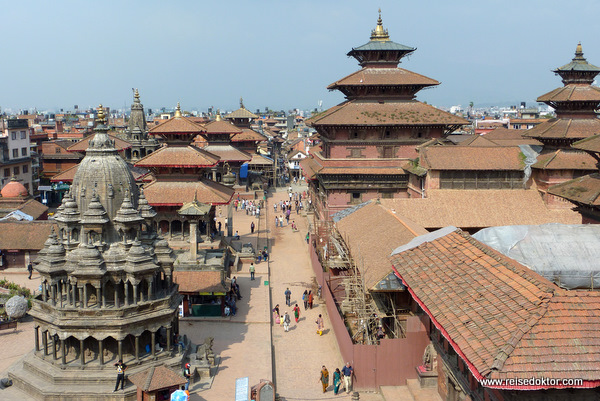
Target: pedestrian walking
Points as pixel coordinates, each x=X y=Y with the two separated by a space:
x=276 y=311
x=286 y=321
x=310 y=299
x=120 y=374
x=324 y=379
x=30 y=269
x=252 y=269
x=320 y=325
x=252 y=228
x=276 y=221
x=347 y=372
x=288 y=297
x=305 y=299
x=307 y=237
x=296 y=312
x=337 y=380
x=187 y=374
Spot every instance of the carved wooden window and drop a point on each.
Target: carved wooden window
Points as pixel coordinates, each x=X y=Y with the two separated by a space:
x=355 y=153
x=355 y=197
x=386 y=194
x=388 y=152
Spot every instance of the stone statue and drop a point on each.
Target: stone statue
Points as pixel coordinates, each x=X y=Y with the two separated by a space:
x=111 y=191
x=430 y=358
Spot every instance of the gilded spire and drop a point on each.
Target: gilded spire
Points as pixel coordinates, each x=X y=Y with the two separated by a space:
x=379 y=33
x=218 y=116
x=178 y=111
x=579 y=52
x=101 y=118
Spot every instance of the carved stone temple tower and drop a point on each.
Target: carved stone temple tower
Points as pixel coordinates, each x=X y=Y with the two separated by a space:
x=107 y=288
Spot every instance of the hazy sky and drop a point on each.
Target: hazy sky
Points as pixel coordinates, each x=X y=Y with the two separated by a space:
x=280 y=54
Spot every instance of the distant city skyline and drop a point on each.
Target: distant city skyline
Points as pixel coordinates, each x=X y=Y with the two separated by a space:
x=279 y=54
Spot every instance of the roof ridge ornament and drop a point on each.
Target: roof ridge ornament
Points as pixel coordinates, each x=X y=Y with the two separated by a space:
x=177 y=111
x=379 y=33
x=136 y=96
x=579 y=52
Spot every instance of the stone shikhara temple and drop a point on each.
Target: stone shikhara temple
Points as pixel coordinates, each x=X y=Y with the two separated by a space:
x=107 y=288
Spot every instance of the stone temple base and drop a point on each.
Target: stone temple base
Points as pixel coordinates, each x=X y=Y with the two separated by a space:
x=45 y=381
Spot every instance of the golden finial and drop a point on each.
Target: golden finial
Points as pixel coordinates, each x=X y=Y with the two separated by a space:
x=101 y=118
x=379 y=33
x=178 y=111
x=218 y=116
x=579 y=51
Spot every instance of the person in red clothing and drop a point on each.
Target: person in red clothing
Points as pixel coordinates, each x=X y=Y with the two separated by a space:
x=296 y=312
x=310 y=299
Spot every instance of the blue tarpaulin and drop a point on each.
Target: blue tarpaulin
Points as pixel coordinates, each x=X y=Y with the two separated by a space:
x=244 y=170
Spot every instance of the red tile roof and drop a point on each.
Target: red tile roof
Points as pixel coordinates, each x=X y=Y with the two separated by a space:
x=565 y=159
x=583 y=190
x=25 y=235
x=479 y=208
x=502 y=319
x=572 y=93
x=591 y=144
x=176 y=193
x=181 y=125
x=179 y=156
x=248 y=135
x=228 y=153
x=260 y=160
x=392 y=113
x=221 y=127
x=156 y=378
x=199 y=281
x=557 y=128
x=368 y=247
x=369 y=76
x=471 y=158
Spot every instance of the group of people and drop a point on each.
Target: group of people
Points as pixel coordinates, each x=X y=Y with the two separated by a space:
x=230 y=299
x=345 y=374
x=251 y=207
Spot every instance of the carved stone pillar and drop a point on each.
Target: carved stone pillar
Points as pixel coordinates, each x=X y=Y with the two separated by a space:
x=101 y=351
x=37 y=338
x=97 y=297
x=193 y=240
x=81 y=353
x=63 y=351
x=169 y=338
x=153 y=344
x=45 y=341
x=120 y=350
x=137 y=348
x=117 y=295
x=54 y=350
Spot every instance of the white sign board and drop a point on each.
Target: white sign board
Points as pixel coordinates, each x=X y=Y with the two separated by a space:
x=241 y=389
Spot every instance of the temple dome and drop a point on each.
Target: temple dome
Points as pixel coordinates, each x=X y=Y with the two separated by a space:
x=14 y=189
x=104 y=173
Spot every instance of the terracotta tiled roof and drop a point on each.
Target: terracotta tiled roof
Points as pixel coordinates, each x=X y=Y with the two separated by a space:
x=28 y=206
x=368 y=247
x=502 y=319
x=591 y=144
x=565 y=159
x=471 y=158
x=310 y=167
x=260 y=160
x=199 y=281
x=241 y=113
x=179 y=156
x=156 y=378
x=393 y=113
x=583 y=190
x=370 y=76
x=565 y=128
x=504 y=134
x=29 y=235
x=82 y=145
x=228 y=153
x=182 y=125
x=248 y=135
x=509 y=141
x=479 y=208
x=176 y=193
x=572 y=93
x=221 y=127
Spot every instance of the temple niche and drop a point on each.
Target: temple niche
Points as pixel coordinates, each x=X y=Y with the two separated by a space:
x=107 y=288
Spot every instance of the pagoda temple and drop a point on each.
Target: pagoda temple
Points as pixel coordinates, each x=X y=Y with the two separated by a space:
x=107 y=292
x=183 y=172
x=366 y=139
x=576 y=119
x=137 y=132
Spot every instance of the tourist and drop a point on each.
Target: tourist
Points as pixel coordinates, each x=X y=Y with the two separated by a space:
x=347 y=372
x=320 y=325
x=276 y=221
x=288 y=297
x=219 y=227
x=276 y=311
x=307 y=237
x=187 y=375
x=305 y=299
x=30 y=269
x=324 y=379
x=275 y=207
x=337 y=380
x=252 y=269
x=286 y=321
x=120 y=374
x=296 y=312
x=310 y=299
x=252 y=228
x=237 y=235
x=280 y=221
